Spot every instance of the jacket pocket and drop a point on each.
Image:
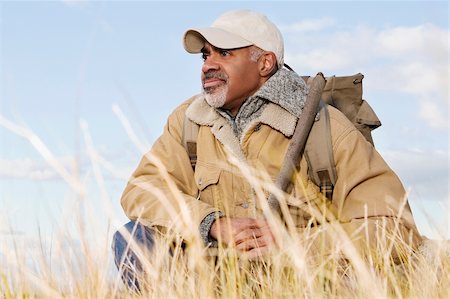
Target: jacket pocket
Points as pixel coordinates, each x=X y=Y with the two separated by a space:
x=207 y=179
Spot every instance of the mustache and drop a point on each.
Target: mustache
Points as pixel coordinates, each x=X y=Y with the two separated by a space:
x=214 y=74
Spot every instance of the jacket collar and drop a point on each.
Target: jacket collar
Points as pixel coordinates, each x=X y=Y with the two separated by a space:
x=285 y=89
x=200 y=112
x=278 y=118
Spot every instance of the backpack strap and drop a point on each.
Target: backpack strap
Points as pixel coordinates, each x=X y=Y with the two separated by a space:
x=319 y=154
x=189 y=139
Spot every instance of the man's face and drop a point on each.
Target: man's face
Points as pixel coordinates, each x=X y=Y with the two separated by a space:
x=229 y=77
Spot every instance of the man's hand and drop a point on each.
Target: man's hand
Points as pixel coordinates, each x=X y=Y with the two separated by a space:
x=250 y=236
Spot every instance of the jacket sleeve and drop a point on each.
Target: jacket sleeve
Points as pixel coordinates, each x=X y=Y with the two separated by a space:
x=369 y=198
x=162 y=191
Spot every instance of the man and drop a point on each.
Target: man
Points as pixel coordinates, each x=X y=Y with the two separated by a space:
x=247 y=113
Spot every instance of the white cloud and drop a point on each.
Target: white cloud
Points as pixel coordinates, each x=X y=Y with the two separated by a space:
x=425 y=173
x=32 y=169
x=423 y=39
x=433 y=113
x=422 y=67
x=427 y=84
x=40 y=170
x=329 y=51
x=411 y=60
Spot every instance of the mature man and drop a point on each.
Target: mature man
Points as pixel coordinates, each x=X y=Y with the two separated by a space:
x=248 y=110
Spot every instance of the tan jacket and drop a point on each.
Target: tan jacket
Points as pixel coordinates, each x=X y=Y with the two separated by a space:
x=366 y=187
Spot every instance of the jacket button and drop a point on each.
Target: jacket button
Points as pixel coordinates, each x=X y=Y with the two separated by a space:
x=244 y=205
x=200 y=182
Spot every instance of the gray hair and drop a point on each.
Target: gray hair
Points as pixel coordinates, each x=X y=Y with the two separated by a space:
x=255 y=53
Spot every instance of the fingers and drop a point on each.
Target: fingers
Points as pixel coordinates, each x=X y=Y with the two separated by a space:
x=251 y=234
x=227 y=229
x=247 y=235
x=265 y=240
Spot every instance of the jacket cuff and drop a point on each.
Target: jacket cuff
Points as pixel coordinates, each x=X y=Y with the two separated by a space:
x=205 y=227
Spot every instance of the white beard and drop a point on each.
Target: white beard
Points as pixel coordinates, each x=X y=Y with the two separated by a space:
x=216 y=98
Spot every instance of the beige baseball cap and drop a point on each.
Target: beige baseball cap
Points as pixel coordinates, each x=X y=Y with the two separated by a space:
x=237 y=29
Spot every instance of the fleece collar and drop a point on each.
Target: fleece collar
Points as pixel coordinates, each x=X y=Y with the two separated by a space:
x=201 y=113
x=286 y=89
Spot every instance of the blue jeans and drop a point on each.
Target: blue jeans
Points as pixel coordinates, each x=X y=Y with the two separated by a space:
x=126 y=260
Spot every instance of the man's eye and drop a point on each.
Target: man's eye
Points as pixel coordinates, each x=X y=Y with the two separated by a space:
x=225 y=52
x=204 y=56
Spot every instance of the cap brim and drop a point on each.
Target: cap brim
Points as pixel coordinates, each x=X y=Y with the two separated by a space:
x=194 y=39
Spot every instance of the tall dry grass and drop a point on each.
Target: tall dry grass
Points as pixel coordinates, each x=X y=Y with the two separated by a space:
x=77 y=263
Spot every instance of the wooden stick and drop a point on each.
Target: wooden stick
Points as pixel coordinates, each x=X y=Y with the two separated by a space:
x=298 y=141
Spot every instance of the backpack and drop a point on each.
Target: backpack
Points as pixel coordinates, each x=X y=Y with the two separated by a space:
x=343 y=93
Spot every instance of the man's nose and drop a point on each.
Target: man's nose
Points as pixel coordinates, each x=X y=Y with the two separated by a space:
x=209 y=64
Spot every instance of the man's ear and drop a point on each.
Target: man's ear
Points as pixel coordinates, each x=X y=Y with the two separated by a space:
x=267 y=64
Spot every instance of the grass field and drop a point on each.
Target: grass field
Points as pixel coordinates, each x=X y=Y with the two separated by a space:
x=87 y=272
x=76 y=262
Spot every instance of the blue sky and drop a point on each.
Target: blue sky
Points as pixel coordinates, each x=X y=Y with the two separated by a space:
x=64 y=65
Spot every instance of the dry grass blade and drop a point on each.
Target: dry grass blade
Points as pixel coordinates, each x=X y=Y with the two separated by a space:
x=172 y=271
